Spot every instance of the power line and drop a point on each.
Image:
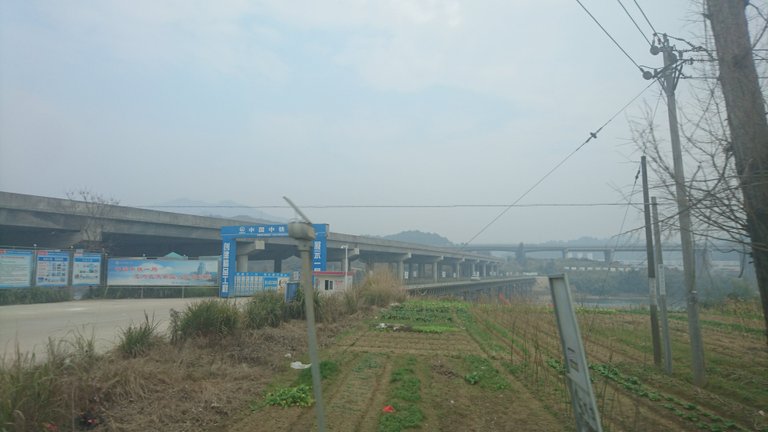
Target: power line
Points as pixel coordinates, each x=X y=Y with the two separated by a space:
x=646 y=17
x=631 y=18
x=390 y=206
x=541 y=180
x=608 y=34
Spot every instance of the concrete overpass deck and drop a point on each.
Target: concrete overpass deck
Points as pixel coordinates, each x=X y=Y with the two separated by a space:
x=42 y=222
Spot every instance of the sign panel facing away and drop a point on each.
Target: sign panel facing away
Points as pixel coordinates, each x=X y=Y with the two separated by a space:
x=576 y=367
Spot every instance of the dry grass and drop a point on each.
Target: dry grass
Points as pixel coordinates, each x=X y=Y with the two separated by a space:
x=381 y=288
x=150 y=383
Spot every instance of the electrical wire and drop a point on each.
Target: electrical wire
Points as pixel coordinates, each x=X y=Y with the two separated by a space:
x=646 y=17
x=389 y=206
x=631 y=18
x=592 y=135
x=609 y=35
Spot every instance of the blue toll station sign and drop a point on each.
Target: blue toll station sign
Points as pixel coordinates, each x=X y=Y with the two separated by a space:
x=255 y=231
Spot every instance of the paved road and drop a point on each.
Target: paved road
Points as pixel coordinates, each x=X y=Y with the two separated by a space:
x=31 y=325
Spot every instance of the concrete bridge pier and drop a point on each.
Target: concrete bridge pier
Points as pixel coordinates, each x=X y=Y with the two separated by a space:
x=457 y=269
x=244 y=249
x=436 y=264
x=242 y=263
x=400 y=264
x=370 y=265
x=608 y=255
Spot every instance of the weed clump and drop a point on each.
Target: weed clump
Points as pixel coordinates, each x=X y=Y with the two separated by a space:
x=42 y=391
x=137 y=340
x=381 y=289
x=206 y=318
x=265 y=309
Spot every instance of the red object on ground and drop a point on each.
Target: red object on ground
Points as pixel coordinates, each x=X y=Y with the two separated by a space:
x=389 y=409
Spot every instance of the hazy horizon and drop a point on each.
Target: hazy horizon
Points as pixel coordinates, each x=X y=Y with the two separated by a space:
x=377 y=117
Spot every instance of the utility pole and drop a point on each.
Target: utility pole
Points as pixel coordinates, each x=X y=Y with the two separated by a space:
x=651 y=267
x=304 y=234
x=669 y=78
x=661 y=285
x=747 y=124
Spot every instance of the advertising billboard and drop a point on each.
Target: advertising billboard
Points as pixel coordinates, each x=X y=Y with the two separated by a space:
x=159 y=272
x=52 y=268
x=15 y=268
x=86 y=269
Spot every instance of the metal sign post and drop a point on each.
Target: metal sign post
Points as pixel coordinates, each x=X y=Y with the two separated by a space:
x=576 y=367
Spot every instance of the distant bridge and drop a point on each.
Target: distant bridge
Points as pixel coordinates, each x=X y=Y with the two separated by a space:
x=473 y=290
x=521 y=249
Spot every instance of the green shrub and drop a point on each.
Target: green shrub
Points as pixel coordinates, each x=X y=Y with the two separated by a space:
x=137 y=340
x=205 y=318
x=34 y=295
x=265 y=309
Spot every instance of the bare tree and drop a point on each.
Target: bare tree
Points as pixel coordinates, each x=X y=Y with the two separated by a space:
x=716 y=186
x=95 y=208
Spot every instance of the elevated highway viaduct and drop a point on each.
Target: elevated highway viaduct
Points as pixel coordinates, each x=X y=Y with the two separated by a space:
x=30 y=221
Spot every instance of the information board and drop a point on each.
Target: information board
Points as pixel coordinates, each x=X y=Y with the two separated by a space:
x=250 y=283
x=15 y=268
x=86 y=269
x=52 y=268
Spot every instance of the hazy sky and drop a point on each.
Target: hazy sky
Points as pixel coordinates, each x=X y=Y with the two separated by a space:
x=356 y=102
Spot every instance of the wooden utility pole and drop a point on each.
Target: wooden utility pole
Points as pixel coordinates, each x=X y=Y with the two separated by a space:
x=651 y=266
x=661 y=288
x=748 y=126
x=669 y=80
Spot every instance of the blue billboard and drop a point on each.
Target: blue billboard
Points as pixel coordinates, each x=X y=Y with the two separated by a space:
x=52 y=268
x=86 y=269
x=255 y=231
x=15 y=268
x=319 y=248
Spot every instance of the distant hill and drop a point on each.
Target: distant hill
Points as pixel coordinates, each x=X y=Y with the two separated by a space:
x=420 y=237
x=224 y=209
